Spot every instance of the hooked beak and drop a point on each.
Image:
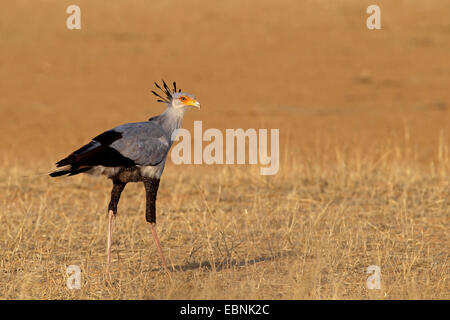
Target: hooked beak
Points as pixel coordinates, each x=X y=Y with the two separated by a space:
x=194 y=103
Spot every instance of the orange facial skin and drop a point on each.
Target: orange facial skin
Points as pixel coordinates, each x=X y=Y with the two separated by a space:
x=188 y=101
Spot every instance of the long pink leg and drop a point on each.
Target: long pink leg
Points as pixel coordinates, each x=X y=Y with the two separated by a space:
x=110 y=229
x=158 y=246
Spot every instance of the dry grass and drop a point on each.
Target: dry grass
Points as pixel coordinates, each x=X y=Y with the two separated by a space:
x=308 y=233
x=364 y=144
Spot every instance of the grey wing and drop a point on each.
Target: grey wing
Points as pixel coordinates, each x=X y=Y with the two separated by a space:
x=146 y=143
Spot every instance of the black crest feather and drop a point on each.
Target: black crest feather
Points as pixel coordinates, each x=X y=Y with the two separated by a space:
x=166 y=91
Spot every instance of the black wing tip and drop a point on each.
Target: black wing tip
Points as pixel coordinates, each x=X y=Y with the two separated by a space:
x=69 y=173
x=64 y=162
x=79 y=170
x=55 y=174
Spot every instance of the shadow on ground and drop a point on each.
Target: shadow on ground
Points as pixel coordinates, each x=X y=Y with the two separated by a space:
x=228 y=263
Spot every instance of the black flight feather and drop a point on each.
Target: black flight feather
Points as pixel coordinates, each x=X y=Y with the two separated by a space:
x=59 y=173
x=97 y=152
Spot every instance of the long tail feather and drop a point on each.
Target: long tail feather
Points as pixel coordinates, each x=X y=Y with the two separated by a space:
x=59 y=173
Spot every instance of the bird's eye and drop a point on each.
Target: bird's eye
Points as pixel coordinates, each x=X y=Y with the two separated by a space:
x=183 y=98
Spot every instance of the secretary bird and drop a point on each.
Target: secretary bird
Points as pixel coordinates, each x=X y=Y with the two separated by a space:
x=132 y=152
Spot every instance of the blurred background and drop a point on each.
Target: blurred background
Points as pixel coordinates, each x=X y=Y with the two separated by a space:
x=364 y=148
x=311 y=68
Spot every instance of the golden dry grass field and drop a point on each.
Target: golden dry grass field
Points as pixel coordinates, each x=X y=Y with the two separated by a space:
x=364 y=173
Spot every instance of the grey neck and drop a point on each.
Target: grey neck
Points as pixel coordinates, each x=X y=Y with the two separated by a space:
x=171 y=119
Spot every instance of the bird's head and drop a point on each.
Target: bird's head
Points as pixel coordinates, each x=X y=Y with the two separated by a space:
x=176 y=99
